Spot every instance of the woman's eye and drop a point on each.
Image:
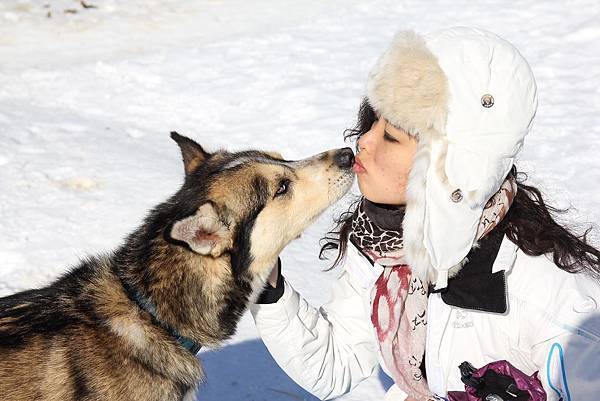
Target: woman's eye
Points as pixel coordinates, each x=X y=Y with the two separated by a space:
x=284 y=185
x=389 y=138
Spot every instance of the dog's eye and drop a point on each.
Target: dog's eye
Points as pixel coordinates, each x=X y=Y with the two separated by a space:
x=284 y=185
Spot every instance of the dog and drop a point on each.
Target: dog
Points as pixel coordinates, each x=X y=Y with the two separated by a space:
x=127 y=325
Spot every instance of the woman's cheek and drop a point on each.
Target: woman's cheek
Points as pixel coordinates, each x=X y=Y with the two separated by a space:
x=362 y=185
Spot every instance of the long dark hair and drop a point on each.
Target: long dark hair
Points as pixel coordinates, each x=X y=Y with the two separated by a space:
x=530 y=222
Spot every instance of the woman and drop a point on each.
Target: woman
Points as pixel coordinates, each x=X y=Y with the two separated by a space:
x=448 y=257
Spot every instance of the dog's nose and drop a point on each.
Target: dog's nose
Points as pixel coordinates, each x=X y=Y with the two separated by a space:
x=344 y=158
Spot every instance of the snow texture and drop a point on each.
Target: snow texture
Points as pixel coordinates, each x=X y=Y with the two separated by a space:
x=89 y=92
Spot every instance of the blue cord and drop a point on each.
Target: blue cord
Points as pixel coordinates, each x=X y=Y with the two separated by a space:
x=562 y=368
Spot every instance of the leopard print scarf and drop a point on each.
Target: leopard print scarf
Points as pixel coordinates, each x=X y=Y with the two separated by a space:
x=378 y=228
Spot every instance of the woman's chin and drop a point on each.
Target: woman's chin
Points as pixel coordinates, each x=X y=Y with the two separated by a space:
x=378 y=196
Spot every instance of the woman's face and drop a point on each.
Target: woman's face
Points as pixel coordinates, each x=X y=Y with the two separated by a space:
x=383 y=163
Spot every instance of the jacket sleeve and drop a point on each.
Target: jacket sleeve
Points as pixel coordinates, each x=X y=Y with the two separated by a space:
x=327 y=351
x=569 y=367
x=566 y=349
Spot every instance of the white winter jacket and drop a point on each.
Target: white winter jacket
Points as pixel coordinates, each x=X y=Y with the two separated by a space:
x=552 y=326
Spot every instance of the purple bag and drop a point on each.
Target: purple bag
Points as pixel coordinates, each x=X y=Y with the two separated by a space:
x=497 y=381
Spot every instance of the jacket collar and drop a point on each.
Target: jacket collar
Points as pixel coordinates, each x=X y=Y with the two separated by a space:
x=507 y=254
x=481 y=283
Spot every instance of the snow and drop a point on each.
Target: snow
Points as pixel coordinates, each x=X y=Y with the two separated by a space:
x=89 y=95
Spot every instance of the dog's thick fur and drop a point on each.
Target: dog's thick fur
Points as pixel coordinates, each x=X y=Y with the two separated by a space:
x=199 y=259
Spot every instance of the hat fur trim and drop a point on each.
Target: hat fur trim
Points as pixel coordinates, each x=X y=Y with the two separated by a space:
x=408 y=87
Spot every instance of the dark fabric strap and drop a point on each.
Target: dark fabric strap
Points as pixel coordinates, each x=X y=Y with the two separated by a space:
x=270 y=294
x=147 y=306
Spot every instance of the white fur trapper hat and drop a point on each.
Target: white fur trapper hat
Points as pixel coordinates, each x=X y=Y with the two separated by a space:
x=469 y=97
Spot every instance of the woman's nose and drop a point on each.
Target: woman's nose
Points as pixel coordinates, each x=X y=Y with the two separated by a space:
x=365 y=142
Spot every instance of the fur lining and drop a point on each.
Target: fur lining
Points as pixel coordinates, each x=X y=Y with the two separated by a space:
x=414 y=219
x=408 y=87
x=410 y=90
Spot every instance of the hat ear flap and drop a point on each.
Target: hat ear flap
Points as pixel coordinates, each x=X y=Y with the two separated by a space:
x=204 y=231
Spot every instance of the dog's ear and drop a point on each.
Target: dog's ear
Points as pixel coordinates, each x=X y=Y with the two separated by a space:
x=204 y=232
x=193 y=154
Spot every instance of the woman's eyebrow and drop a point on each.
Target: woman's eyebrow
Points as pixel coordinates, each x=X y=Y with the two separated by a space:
x=400 y=130
x=387 y=125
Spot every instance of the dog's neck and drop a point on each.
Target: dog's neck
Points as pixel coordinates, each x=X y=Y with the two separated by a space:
x=147 y=306
x=197 y=296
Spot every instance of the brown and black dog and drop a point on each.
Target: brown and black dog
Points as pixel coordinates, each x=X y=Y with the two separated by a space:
x=127 y=325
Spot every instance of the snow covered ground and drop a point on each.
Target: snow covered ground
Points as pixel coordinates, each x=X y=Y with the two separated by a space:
x=89 y=95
